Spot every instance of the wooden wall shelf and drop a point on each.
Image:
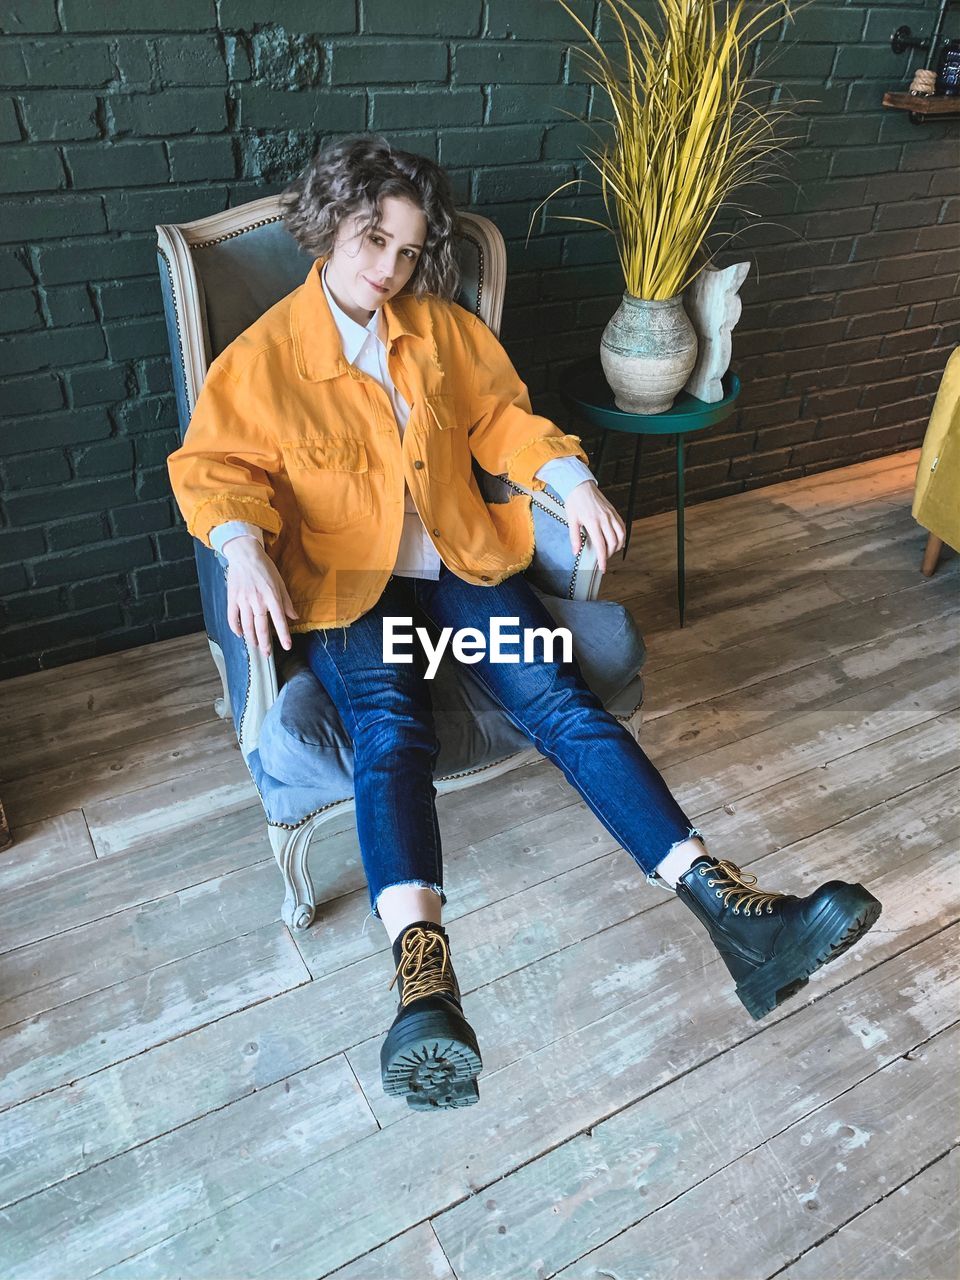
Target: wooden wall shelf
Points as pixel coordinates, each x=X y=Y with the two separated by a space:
x=918 y=105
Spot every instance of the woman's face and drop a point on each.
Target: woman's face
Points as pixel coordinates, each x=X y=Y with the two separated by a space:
x=366 y=269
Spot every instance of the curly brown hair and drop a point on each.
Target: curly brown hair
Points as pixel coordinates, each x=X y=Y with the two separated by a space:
x=353 y=175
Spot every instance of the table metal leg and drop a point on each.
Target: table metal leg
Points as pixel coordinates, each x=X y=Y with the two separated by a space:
x=598 y=456
x=681 y=569
x=633 y=494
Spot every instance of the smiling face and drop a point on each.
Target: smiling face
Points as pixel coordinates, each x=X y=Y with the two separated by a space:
x=366 y=269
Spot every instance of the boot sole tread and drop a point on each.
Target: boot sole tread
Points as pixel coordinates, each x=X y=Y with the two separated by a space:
x=432 y=1059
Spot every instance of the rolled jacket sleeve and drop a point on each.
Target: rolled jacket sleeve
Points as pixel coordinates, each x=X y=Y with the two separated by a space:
x=506 y=436
x=221 y=472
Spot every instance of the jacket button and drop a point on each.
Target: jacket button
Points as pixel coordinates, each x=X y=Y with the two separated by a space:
x=418 y=465
x=484 y=578
x=436 y=533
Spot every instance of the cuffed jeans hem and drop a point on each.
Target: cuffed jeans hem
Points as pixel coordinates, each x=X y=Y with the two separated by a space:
x=422 y=884
x=653 y=878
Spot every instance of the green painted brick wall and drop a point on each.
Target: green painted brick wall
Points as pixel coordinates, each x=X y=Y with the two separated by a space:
x=850 y=308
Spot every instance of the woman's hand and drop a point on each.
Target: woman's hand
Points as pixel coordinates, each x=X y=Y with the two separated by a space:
x=254 y=591
x=588 y=509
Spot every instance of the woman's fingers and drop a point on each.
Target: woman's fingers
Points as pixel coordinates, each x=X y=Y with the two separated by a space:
x=233 y=613
x=257 y=595
x=591 y=528
x=619 y=528
x=614 y=534
x=606 y=532
x=247 y=629
x=288 y=608
x=613 y=531
x=595 y=534
x=262 y=626
x=277 y=604
x=593 y=514
x=256 y=629
x=280 y=623
x=607 y=535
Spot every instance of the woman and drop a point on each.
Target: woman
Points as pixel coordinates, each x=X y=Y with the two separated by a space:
x=330 y=459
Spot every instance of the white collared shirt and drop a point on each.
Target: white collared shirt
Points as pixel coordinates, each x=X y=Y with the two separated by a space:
x=364 y=348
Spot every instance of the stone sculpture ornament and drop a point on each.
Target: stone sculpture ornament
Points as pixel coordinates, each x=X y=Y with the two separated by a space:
x=712 y=302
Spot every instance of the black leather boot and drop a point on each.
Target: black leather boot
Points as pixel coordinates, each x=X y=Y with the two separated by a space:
x=772 y=942
x=430 y=1055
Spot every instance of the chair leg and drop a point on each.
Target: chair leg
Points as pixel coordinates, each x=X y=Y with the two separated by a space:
x=220 y=705
x=931 y=555
x=290 y=849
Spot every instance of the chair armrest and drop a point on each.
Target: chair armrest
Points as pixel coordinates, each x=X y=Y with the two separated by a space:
x=251 y=677
x=554 y=568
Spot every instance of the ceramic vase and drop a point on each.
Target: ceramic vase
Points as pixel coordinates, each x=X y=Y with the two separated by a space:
x=647 y=351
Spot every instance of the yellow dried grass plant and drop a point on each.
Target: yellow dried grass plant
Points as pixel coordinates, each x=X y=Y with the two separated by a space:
x=685 y=135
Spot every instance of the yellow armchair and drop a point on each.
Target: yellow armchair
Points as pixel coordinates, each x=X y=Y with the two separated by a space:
x=936 y=497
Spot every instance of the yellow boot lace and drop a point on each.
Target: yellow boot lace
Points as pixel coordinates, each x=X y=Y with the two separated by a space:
x=426 y=960
x=739 y=889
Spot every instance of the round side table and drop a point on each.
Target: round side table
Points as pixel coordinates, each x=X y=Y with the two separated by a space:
x=585 y=391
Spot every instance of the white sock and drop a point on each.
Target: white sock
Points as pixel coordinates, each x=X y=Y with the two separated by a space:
x=679 y=860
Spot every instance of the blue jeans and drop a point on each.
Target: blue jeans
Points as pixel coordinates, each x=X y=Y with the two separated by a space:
x=386 y=709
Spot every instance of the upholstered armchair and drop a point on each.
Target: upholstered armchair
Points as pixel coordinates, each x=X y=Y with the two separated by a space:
x=218 y=275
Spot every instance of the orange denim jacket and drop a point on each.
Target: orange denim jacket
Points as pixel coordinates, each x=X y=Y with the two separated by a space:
x=290 y=437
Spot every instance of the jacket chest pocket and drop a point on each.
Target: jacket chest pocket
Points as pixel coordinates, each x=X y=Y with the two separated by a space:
x=447 y=434
x=330 y=480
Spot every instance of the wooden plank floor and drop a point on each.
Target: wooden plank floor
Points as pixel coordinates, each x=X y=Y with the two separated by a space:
x=187 y=1090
